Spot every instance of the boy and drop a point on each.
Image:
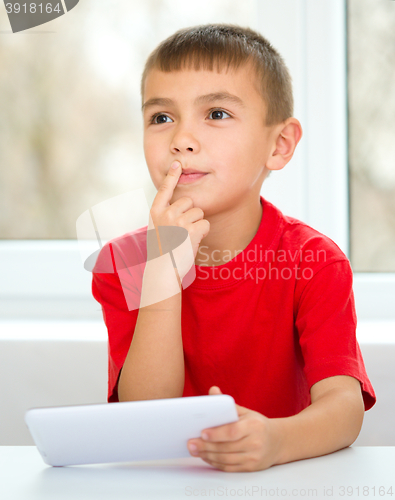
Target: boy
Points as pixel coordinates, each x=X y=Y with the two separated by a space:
x=270 y=318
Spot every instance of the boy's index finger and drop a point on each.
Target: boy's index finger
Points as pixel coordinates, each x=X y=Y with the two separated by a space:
x=165 y=192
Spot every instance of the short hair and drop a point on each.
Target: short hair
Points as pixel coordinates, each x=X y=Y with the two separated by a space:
x=228 y=45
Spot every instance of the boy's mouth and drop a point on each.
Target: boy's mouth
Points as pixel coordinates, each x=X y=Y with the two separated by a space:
x=188 y=171
x=189 y=176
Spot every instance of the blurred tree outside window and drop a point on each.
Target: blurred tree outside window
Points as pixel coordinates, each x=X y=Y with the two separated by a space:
x=371 y=98
x=71 y=129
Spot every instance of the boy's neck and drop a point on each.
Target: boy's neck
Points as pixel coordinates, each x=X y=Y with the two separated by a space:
x=229 y=235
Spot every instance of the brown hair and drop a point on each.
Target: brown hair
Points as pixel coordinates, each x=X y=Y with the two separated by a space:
x=231 y=46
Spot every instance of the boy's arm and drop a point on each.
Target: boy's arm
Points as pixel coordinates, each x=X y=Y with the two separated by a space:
x=154 y=366
x=256 y=442
x=333 y=421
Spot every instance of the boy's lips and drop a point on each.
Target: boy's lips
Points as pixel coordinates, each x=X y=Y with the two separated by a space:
x=188 y=171
x=188 y=178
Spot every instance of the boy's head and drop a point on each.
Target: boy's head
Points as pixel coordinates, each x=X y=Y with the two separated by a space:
x=252 y=133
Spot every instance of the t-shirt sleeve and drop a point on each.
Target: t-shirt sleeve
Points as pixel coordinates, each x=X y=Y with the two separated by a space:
x=326 y=324
x=120 y=323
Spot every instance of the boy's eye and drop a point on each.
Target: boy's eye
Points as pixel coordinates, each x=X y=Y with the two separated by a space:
x=218 y=114
x=157 y=115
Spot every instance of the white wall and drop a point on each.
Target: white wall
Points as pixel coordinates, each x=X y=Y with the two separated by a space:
x=48 y=364
x=65 y=363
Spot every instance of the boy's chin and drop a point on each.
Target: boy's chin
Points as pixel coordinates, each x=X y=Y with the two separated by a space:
x=184 y=193
x=199 y=199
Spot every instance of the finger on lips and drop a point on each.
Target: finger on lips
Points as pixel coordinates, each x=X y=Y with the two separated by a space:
x=163 y=196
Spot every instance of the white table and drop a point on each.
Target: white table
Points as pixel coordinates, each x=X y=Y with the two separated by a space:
x=24 y=476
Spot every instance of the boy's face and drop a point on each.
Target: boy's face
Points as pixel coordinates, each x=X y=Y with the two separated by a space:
x=226 y=138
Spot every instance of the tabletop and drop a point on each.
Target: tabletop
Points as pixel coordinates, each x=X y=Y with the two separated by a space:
x=354 y=472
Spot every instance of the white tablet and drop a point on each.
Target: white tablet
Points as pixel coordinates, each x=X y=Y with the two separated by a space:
x=125 y=432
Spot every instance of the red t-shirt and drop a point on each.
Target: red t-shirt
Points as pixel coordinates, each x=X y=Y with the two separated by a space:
x=264 y=327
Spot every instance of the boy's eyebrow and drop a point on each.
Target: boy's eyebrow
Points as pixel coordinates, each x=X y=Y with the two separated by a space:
x=207 y=98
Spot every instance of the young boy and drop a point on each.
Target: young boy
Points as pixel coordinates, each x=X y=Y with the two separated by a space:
x=270 y=317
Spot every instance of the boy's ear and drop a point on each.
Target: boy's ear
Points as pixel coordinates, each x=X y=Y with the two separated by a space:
x=286 y=137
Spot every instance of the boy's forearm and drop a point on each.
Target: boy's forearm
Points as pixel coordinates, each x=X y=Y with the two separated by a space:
x=329 y=424
x=154 y=366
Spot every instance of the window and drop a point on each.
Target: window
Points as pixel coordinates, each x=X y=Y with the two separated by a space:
x=371 y=63
x=75 y=137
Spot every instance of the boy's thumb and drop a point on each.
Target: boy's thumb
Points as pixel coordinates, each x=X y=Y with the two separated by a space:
x=214 y=390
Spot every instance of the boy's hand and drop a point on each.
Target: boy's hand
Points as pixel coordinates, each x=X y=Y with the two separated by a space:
x=181 y=213
x=248 y=445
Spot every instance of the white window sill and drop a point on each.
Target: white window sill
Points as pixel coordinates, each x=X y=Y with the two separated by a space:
x=368 y=332
x=85 y=331
x=376 y=332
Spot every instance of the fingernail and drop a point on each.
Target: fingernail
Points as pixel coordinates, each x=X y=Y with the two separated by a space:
x=193 y=448
x=204 y=436
x=175 y=164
